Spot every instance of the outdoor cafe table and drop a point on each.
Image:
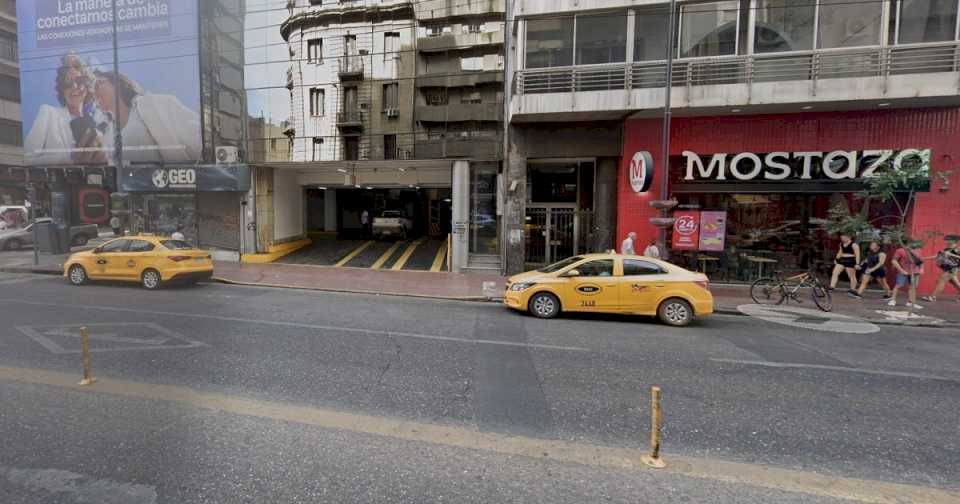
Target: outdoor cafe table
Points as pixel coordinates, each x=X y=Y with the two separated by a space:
x=760 y=261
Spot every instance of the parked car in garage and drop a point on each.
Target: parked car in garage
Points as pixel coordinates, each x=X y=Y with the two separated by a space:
x=20 y=238
x=392 y=223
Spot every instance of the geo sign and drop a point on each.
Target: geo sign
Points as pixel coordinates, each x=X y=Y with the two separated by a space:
x=641 y=172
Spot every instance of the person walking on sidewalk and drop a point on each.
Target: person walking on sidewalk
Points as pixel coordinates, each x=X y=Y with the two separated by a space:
x=848 y=257
x=628 y=246
x=652 y=250
x=365 y=223
x=949 y=261
x=872 y=268
x=909 y=265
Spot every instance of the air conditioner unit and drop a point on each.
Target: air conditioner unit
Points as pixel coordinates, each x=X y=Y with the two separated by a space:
x=393 y=112
x=227 y=155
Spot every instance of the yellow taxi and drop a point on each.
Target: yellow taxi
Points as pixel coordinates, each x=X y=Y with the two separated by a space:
x=148 y=260
x=612 y=283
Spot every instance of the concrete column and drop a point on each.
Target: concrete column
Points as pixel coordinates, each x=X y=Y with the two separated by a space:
x=605 y=205
x=460 y=210
x=513 y=242
x=330 y=210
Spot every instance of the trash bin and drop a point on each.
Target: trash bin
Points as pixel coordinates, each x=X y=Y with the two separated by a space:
x=63 y=239
x=53 y=238
x=47 y=237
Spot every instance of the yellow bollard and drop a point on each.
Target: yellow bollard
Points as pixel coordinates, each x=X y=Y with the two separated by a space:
x=656 y=420
x=85 y=357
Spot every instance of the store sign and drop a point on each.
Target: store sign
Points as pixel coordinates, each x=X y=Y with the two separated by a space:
x=713 y=231
x=792 y=166
x=641 y=172
x=686 y=230
x=186 y=179
x=175 y=178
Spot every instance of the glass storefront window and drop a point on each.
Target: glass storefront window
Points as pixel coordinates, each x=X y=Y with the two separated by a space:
x=601 y=38
x=849 y=24
x=784 y=25
x=650 y=35
x=709 y=29
x=927 y=21
x=549 y=42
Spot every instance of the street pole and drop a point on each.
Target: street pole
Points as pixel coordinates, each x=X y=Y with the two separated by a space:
x=117 y=137
x=32 y=196
x=667 y=118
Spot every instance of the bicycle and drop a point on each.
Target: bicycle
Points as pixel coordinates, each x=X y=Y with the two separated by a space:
x=775 y=290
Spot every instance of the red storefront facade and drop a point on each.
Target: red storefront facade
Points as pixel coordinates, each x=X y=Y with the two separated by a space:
x=774 y=213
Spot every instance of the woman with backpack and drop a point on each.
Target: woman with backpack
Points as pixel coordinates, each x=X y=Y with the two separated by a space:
x=949 y=262
x=909 y=265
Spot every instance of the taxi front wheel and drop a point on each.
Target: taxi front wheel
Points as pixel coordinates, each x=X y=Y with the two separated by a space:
x=77 y=275
x=544 y=305
x=675 y=312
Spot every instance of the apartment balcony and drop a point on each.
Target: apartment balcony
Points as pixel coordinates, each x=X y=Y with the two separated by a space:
x=290 y=78
x=444 y=42
x=913 y=74
x=350 y=119
x=439 y=9
x=459 y=78
x=350 y=68
x=459 y=112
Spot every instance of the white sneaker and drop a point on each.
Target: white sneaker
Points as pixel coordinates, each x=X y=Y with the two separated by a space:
x=914 y=305
x=892 y=303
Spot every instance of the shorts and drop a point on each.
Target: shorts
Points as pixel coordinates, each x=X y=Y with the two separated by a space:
x=904 y=280
x=879 y=273
x=847 y=262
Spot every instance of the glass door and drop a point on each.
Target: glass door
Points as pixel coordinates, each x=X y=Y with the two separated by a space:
x=483 y=210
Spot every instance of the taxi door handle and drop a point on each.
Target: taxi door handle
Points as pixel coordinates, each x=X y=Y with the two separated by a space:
x=660 y=286
x=101 y=261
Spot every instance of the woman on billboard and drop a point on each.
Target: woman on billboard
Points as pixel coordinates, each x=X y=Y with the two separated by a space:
x=154 y=127
x=68 y=133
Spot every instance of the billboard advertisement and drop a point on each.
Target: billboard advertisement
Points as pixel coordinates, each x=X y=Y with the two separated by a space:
x=713 y=231
x=70 y=89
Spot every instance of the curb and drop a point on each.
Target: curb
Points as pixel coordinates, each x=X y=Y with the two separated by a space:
x=473 y=299
x=39 y=270
x=884 y=322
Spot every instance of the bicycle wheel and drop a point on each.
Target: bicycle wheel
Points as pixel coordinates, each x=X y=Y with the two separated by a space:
x=821 y=297
x=767 y=291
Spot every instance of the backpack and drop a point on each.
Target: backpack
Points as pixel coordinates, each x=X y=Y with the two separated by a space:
x=947 y=261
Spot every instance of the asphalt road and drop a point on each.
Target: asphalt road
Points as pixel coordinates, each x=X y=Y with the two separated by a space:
x=880 y=406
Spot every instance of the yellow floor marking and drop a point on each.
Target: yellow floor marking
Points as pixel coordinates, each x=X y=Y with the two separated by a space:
x=386 y=256
x=441 y=256
x=754 y=475
x=402 y=261
x=354 y=254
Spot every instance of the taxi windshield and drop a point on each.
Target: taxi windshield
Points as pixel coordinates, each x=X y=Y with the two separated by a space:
x=557 y=266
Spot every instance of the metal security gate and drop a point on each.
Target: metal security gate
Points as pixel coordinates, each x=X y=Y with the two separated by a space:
x=555 y=233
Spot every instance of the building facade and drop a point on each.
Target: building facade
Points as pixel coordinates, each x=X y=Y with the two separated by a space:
x=394 y=105
x=779 y=108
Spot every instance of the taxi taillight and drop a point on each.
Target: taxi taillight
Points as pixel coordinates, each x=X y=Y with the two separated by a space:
x=705 y=284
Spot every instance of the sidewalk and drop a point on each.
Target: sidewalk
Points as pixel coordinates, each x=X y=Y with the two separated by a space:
x=872 y=308
x=365 y=281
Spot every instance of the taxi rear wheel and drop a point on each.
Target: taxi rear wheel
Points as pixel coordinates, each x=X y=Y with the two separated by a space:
x=544 y=305
x=675 y=312
x=77 y=275
x=150 y=279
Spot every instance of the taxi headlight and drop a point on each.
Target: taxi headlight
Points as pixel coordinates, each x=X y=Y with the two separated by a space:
x=522 y=286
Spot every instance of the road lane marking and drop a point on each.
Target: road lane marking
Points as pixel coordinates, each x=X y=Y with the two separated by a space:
x=402 y=261
x=386 y=256
x=357 y=251
x=369 y=332
x=760 y=476
x=439 y=258
x=168 y=340
x=837 y=368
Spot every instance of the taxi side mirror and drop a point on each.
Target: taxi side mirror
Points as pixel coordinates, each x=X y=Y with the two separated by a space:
x=97 y=250
x=572 y=273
